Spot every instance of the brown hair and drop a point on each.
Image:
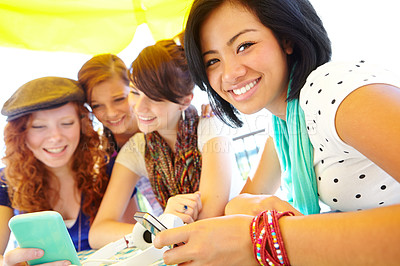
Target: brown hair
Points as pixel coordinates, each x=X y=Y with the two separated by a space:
x=160 y=71
x=28 y=179
x=99 y=69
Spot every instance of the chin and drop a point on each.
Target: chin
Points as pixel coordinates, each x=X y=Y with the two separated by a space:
x=53 y=165
x=250 y=111
x=118 y=130
x=145 y=130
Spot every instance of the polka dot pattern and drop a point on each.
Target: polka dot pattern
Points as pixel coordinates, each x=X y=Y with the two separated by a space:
x=347 y=180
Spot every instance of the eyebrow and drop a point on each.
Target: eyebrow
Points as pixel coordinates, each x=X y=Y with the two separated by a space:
x=41 y=120
x=231 y=40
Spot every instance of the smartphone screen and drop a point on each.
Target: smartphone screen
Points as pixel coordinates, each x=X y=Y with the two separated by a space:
x=149 y=222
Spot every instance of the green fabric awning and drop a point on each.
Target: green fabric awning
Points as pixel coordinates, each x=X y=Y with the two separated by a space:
x=87 y=26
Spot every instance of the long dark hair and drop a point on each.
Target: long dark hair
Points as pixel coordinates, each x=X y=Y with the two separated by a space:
x=292 y=20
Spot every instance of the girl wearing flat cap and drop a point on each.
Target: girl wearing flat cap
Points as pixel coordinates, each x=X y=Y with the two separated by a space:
x=53 y=161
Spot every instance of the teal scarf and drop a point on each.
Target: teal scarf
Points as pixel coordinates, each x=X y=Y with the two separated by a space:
x=296 y=154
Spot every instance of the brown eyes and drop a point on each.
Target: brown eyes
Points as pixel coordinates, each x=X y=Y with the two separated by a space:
x=241 y=48
x=244 y=46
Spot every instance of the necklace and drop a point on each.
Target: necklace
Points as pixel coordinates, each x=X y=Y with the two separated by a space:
x=79 y=230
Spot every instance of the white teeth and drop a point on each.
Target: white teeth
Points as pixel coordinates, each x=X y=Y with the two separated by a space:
x=116 y=121
x=245 y=88
x=146 y=118
x=55 y=150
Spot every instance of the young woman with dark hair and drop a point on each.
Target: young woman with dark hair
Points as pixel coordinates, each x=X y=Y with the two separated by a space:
x=335 y=139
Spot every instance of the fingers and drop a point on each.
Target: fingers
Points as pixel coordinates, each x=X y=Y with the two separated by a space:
x=19 y=255
x=206 y=110
x=57 y=263
x=187 y=212
x=171 y=237
x=186 y=218
x=285 y=206
x=185 y=206
x=170 y=256
x=198 y=201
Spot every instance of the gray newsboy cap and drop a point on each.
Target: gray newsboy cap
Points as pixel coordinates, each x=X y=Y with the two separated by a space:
x=41 y=94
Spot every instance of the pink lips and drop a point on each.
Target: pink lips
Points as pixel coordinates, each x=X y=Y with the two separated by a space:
x=121 y=120
x=246 y=95
x=56 y=152
x=147 y=121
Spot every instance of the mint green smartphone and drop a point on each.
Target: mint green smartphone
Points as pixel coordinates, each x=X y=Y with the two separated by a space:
x=45 y=230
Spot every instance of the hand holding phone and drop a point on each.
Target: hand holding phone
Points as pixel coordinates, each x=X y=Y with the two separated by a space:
x=153 y=225
x=45 y=230
x=149 y=222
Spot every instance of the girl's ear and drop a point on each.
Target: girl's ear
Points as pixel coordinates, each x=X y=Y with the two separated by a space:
x=287 y=46
x=186 y=101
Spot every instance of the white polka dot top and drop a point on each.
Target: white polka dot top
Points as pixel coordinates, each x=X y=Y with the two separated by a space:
x=346 y=179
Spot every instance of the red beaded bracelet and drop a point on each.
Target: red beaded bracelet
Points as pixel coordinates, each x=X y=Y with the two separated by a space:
x=266 y=235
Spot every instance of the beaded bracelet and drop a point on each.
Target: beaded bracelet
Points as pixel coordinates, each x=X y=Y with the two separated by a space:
x=264 y=230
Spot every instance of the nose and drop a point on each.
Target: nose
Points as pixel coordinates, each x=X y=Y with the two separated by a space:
x=55 y=134
x=232 y=70
x=111 y=111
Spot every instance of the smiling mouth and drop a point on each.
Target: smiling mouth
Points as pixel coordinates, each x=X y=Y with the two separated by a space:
x=55 y=150
x=246 y=88
x=115 y=122
x=146 y=119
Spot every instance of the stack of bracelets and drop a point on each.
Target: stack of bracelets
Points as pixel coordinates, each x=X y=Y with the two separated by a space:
x=267 y=240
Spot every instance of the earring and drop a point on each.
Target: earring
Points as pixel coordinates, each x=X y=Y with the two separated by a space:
x=183 y=115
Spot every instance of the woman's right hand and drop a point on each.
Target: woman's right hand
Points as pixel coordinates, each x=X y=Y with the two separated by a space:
x=213 y=241
x=206 y=110
x=185 y=206
x=20 y=256
x=254 y=204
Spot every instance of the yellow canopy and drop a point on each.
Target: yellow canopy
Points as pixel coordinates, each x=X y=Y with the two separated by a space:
x=87 y=26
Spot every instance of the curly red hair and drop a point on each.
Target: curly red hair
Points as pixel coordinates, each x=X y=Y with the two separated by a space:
x=28 y=179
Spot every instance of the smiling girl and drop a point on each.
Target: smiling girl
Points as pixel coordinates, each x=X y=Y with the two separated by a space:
x=180 y=152
x=53 y=159
x=335 y=138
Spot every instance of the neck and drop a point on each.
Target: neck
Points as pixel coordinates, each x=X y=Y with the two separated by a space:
x=279 y=111
x=63 y=173
x=278 y=106
x=62 y=182
x=121 y=139
x=170 y=134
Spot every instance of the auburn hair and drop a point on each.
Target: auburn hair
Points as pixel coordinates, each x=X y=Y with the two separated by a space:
x=101 y=68
x=28 y=179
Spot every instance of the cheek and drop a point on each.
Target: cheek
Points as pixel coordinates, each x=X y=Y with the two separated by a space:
x=213 y=80
x=32 y=141
x=99 y=115
x=75 y=135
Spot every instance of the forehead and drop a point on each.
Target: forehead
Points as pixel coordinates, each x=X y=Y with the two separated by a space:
x=109 y=88
x=66 y=110
x=225 y=22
